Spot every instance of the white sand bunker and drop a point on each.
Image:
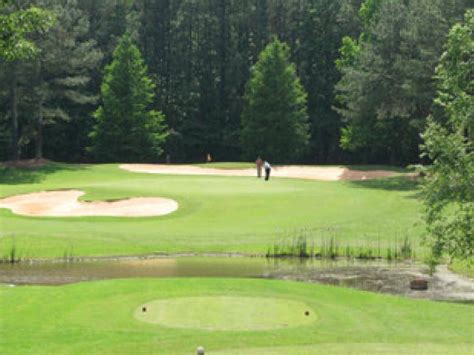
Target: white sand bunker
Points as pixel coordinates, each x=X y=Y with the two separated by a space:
x=329 y=173
x=65 y=203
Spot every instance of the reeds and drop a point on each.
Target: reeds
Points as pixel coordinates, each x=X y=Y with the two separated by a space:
x=305 y=245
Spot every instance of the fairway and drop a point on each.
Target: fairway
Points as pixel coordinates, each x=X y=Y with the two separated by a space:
x=101 y=317
x=216 y=214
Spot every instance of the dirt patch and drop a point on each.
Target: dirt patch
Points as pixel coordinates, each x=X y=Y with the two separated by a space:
x=349 y=174
x=25 y=164
x=65 y=203
x=330 y=173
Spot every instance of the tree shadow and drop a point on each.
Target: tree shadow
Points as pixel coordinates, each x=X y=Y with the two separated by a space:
x=396 y=183
x=22 y=175
x=395 y=169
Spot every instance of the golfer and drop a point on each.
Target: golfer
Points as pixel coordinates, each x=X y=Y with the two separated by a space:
x=259 y=164
x=268 y=169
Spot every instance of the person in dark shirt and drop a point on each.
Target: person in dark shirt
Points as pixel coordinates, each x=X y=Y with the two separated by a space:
x=259 y=164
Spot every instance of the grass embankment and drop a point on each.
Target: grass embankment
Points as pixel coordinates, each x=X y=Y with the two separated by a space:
x=216 y=214
x=100 y=317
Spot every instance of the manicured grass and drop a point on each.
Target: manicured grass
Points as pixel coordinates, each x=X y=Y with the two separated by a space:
x=216 y=214
x=226 y=313
x=98 y=317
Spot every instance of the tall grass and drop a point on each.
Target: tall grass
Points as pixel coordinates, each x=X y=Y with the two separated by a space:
x=304 y=244
x=11 y=253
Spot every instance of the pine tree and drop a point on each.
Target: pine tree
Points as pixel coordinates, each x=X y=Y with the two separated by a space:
x=274 y=118
x=61 y=72
x=126 y=129
x=386 y=90
x=320 y=33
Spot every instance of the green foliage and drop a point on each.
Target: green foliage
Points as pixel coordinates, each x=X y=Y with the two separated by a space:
x=449 y=188
x=348 y=53
x=199 y=55
x=386 y=90
x=274 y=118
x=16 y=25
x=368 y=10
x=127 y=129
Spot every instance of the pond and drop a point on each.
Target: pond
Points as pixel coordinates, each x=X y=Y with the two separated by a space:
x=375 y=276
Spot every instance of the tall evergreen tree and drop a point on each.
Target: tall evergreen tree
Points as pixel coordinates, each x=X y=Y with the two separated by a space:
x=127 y=129
x=320 y=33
x=61 y=74
x=386 y=88
x=274 y=118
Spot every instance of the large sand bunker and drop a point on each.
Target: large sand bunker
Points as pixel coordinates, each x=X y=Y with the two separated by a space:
x=330 y=173
x=65 y=203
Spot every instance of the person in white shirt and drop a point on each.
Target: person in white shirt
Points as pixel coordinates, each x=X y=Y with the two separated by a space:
x=268 y=169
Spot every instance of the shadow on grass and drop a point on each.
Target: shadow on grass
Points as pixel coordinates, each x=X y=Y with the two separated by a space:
x=397 y=183
x=395 y=169
x=17 y=176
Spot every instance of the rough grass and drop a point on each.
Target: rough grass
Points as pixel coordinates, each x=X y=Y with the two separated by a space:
x=216 y=214
x=98 y=317
x=463 y=267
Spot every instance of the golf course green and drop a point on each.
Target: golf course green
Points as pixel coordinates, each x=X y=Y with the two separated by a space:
x=216 y=214
x=101 y=317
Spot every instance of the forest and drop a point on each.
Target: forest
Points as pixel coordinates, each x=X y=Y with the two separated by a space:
x=360 y=72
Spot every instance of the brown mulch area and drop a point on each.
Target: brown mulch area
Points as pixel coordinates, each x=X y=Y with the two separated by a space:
x=25 y=164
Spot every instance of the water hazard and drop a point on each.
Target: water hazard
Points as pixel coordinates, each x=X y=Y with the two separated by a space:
x=376 y=276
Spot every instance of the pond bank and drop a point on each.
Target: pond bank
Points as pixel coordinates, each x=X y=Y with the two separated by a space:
x=370 y=275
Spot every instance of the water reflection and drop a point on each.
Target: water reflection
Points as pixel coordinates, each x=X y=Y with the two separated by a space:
x=378 y=276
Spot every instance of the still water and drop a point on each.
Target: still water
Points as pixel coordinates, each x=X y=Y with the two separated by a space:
x=376 y=276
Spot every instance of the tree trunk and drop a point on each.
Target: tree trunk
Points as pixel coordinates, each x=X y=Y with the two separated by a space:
x=15 y=147
x=39 y=135
x=39 y=118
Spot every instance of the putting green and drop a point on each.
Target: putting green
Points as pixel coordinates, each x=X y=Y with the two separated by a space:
x=226 y=313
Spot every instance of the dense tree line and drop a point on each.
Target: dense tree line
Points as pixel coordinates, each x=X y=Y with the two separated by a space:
x=366 y=68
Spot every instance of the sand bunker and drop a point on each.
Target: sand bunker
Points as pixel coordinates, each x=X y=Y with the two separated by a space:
x=330 y=173
x=64 y=203
x=226 y=313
